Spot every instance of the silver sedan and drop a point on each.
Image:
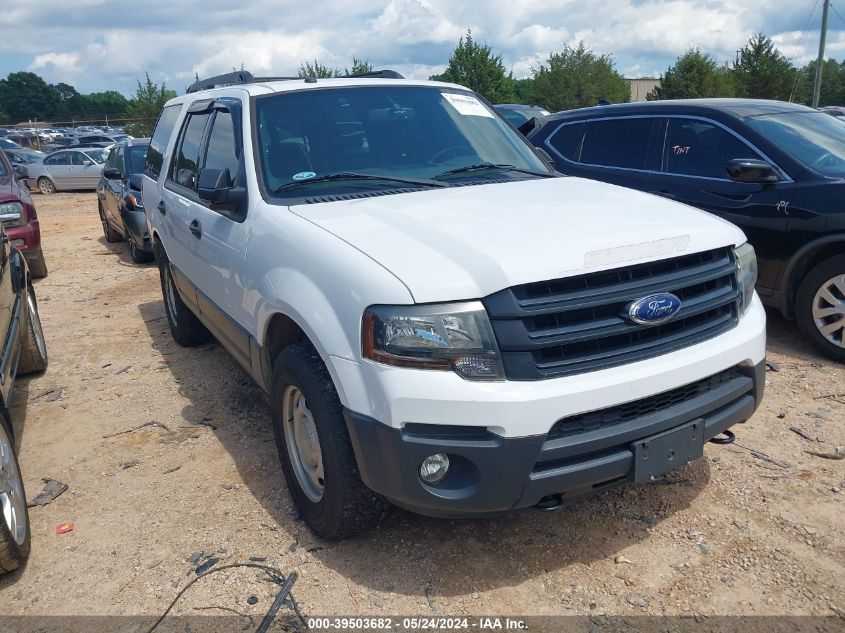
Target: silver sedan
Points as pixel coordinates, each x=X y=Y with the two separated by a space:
x=67 y=170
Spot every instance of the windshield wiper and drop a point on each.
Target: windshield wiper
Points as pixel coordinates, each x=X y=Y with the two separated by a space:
x=350 y=175
x=505 y=166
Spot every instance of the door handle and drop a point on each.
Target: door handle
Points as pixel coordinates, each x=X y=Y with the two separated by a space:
x=196 y=229
x=162 y=208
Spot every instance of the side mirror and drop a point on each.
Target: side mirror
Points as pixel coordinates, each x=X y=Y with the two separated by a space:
x=214 y=189
x=112 y=173
x=87 y=163
x=20 y=172
x=751 y=170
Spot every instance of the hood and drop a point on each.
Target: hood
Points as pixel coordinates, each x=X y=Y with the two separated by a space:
x=468 y=242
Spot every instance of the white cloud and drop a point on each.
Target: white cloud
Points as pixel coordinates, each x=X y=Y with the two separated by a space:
x=108 y=44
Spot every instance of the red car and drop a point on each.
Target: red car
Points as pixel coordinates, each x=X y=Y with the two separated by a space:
x=17 y=213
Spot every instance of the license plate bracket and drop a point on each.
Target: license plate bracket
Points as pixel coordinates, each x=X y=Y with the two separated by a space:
x=658 y=454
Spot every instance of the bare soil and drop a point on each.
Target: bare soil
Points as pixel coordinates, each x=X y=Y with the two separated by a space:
x=753 y=528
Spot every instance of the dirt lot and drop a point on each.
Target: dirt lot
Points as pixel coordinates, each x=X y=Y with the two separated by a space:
x=739 y=532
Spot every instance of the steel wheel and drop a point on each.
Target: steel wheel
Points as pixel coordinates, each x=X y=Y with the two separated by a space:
x=829 y=310
x=46 y=186
x=303 y=443
x=12 y=498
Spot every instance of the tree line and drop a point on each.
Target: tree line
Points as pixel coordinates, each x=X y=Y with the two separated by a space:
x=573 y=77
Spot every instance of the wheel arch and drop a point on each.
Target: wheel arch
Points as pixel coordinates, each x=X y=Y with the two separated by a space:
x=800 y=264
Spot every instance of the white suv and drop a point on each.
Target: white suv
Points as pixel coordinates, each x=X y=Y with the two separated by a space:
x=441 y=321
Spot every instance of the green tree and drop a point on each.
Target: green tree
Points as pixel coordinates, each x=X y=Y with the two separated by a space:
x=146 y=105
x=694 y=75
x=522 y=89
x=577 y=77
x=25 y=96
x=317 y=70
x=761 y=71
x=833 y=83
x=475 y=66
x=359 y=67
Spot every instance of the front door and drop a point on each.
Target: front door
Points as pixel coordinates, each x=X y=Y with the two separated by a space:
x=695 y=154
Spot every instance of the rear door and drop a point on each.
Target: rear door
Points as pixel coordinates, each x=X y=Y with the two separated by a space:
x=216 y=243
x=58 y=168
x=694 y=155
x=614 y=150
x=113 y=187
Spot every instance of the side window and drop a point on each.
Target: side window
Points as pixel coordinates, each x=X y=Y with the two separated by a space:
x=566 y=140
x=186 y=164
x=78 y=158
x=118 y=159
x=161 y=136
x=223 y=152
x=617 y=143
x=111 y=161
x=59 y=158
x=699 y=148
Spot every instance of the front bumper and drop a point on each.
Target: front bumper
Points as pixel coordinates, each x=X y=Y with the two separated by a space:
x=581 y=455
x=26 y=238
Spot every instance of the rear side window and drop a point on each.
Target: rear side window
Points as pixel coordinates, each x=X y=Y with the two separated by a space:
x=161 y=136
x=59 y=158
x=222 y=151
x=566 y=141
x=621 y=143
x=699 y=148
x=186 y=165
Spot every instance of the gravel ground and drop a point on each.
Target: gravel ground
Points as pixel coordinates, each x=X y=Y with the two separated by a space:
x=753 y=528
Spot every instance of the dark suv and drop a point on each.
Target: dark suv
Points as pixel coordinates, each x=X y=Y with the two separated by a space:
x=777 y=170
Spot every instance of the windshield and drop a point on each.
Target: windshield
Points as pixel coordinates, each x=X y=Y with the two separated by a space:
x=813 y=138
x=412 y=132
x=137 y=156
x=97 y=155
x=7 y=144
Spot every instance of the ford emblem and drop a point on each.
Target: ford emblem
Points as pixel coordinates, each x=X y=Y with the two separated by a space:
x=654 y=309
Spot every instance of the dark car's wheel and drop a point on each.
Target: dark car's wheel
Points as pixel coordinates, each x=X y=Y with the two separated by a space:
x=315 y=449
x=33 y=356
x=186 y=328
x=820 y=307
x=46 y=186
x=138 y=255
x=14 y=516
x=110 y=234
x=37 y=265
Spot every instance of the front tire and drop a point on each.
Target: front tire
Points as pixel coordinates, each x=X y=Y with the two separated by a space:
x=138 y=256
x=33 y=357
x=820 y=307
x=37 y=265
x=109 y=233
x=46 y=186
x=315 y=450
x=15 y=540
x=185 y=327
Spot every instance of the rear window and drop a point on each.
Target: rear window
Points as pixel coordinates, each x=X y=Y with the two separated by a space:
x=161 y=136
x=621 y=143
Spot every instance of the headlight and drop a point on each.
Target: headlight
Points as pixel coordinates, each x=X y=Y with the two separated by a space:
x=448 y=337
x=746 y=273
x=11 y=214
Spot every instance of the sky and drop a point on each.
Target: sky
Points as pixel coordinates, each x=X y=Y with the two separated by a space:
x=97 y=45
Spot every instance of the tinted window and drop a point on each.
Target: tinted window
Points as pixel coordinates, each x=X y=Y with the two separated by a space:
x=78 y=158
x=567 y=140
x=161 y=136
x=135 y=155
x=617 y=143
x=222 y=151
x=113 y=158
x=699 y=148
x=59 y=158
x=186 y=165
x=814 y=138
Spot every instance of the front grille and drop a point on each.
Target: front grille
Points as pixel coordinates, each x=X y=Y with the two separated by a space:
x=604 y=418
x=578 y=324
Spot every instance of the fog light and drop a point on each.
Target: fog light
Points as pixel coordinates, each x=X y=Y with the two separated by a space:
x=434 y=468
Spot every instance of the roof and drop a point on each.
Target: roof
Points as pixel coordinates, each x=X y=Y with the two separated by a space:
x=292 y=85
x=736 y=107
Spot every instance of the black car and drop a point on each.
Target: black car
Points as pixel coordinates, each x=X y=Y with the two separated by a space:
x=777 y=170
x=119 y=199
x=23 y=351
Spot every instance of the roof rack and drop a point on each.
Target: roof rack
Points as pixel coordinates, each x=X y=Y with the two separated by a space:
x=245 y=77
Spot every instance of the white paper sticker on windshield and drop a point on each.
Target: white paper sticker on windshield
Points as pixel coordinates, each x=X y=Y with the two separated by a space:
x=467 y=104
